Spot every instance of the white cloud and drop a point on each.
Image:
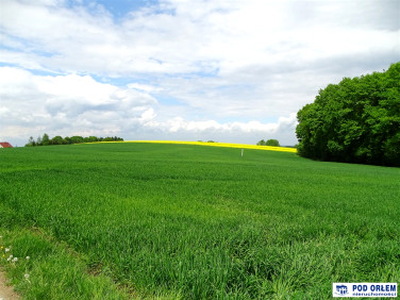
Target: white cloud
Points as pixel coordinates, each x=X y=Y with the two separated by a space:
x=67 y=104
x=184 y=67
x=197 y=37
x=144 y=87
x=73 y=104
x=147 y=116
x=209 y=128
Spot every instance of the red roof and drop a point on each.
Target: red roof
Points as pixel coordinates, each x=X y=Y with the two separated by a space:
x=5 y=145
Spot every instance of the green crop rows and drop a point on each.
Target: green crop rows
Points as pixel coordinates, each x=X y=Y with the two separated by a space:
x=113 y=221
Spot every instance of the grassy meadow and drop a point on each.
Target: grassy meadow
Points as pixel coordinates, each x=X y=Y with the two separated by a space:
x=142 y=220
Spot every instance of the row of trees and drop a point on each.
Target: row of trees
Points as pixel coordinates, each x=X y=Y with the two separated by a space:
x=58 y=140
x=357 y=120
x=270 y=142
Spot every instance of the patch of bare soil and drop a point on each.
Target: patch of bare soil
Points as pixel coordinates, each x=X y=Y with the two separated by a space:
x=6 y=291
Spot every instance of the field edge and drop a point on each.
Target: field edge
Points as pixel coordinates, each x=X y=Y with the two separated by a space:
x=210 y=144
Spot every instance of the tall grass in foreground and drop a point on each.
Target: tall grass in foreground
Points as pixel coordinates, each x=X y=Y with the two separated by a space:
x=190 y=222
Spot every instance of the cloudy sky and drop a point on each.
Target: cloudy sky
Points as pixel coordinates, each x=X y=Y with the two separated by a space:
x=224 y=70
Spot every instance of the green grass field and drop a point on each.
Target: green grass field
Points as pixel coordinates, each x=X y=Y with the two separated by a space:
x=115 y=221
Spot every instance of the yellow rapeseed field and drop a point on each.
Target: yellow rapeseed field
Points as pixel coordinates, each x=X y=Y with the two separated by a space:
x=216 y=144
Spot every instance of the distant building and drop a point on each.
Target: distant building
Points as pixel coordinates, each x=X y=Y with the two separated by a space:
x=5 y=145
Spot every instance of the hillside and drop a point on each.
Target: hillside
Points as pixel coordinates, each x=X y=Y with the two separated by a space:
x=184 y=221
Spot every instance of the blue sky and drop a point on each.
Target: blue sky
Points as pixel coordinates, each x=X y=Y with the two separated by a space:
x=225 y=70
x=119 y=8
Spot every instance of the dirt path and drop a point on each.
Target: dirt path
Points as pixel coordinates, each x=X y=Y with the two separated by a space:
x=6 y=291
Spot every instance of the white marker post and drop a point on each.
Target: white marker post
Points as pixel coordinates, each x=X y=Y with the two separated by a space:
x=242 y=153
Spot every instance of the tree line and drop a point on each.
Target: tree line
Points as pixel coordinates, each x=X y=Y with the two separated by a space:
x=357 y=121
x=270 y=142
x=45 y=140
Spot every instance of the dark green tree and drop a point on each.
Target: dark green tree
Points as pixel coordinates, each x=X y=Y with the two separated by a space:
x=76 y=139
x=45 y=139
x=57 y=140
x=272 y=142
x=92 y=139
x=357 y=120
x=261 y=143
